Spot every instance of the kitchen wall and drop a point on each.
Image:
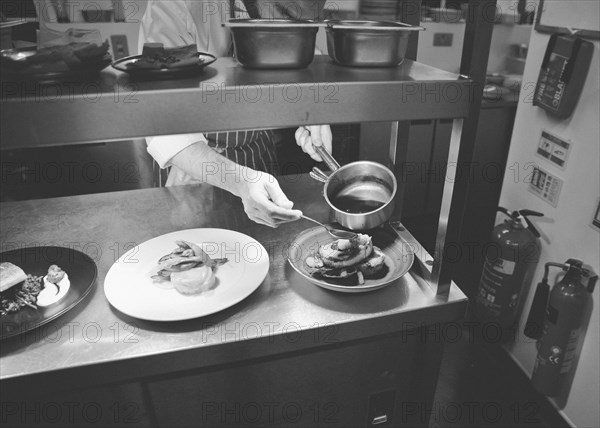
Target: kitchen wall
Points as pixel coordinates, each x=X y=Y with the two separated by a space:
x=448 y=57
x=566 y=229
x=443 y=57
x=132 y=11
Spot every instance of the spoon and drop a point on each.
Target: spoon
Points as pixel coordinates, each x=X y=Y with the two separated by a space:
x=336 y=233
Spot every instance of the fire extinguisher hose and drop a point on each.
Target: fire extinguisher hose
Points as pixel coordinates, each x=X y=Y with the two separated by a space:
x=534 y=327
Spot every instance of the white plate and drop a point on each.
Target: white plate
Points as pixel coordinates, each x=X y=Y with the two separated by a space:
x=399 y=257
x=129 y=287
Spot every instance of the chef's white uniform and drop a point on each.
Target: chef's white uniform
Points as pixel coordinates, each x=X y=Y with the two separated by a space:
x=185 y=22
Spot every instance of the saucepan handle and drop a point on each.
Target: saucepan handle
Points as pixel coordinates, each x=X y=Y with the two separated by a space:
x=327 y=158
x=317 y=177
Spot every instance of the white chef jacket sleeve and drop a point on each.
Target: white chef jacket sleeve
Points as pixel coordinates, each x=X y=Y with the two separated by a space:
x=168 y=22
x=163 y=148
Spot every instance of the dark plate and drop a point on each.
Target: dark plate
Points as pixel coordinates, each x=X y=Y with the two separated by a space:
x=204 y=59
x=399 y=257
x=82 y=273
x=85 y=72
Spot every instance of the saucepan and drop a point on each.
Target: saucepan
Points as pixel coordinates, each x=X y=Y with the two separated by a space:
x=361 y=194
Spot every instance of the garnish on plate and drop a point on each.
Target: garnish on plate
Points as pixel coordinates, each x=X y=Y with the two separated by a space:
x=56 y=285
x=347 y=261
x=155 y=57
x=188 y=268
x=18 y=289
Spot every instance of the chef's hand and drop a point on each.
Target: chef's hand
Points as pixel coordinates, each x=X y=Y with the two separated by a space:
x=264 y=201
x=314 y=135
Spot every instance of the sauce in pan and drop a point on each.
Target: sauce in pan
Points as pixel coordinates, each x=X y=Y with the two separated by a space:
x=354 y=205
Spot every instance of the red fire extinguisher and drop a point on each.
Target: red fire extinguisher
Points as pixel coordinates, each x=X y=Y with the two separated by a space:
x=510 y=262
x=562 y=325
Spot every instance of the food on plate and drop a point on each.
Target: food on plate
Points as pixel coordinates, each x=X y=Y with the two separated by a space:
x=194 y=281
x=153 y=50
x=56 y=286
x=347 y=260
x=21 y=295
x=30 y=290
x=346 y=252
x=188 y=269
x=55 y=274
x=155 y=56
x=17 y=289
x=10 y=275
x=373 y=264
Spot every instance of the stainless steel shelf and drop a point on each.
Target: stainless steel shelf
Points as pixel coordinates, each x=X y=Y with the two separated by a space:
x=150 y=349
x=224 y=97
x=227 y=96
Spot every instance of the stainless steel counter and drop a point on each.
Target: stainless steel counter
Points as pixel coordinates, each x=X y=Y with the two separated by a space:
x=224 y=97
x=96 y=344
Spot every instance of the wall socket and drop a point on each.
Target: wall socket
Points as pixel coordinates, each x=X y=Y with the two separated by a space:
x=119 y=46
x=442 y=39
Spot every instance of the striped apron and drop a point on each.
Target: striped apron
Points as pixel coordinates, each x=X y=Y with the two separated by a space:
x=254 y=149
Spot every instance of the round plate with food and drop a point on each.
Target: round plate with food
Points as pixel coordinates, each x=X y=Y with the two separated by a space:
x=39 y=284
x=366 y=263
x=138 y=68
x=160 y=62
x=186 y=274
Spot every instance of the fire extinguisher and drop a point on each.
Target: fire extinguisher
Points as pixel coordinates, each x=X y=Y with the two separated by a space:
x=510 y=262
x=562 y=324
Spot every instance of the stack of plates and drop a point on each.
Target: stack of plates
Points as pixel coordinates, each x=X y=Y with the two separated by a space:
x=379 y=9
x=75 y=62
